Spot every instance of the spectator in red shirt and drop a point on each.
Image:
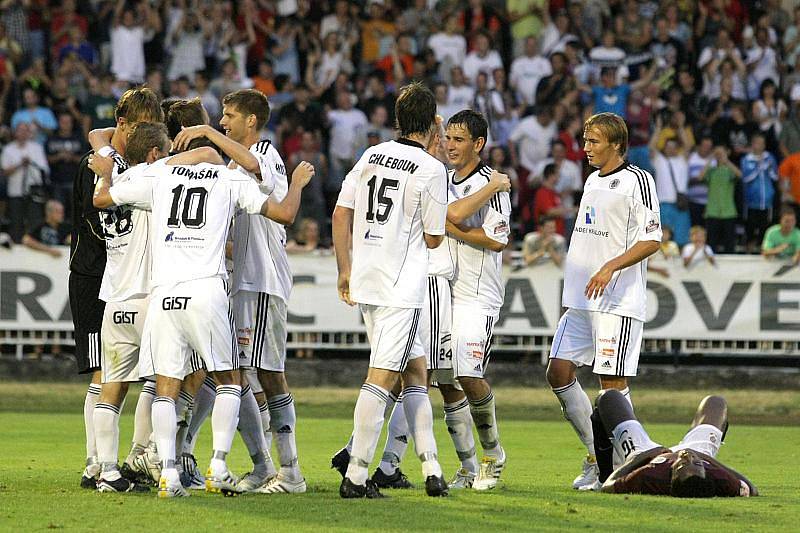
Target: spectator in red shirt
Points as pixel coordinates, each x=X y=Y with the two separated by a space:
x=547 y=200
x=63 y=22
x=399 y=63
x=570 y=135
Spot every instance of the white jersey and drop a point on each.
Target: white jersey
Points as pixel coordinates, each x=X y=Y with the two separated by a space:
x=617 y=211
x=443 y=259
x=260 y=263
x=398 y=192
x=192 y=207
x=128 y=253
x=479 y=276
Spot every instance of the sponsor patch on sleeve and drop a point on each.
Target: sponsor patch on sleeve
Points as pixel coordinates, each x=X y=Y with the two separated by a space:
x=501 y=228
x=652 y=226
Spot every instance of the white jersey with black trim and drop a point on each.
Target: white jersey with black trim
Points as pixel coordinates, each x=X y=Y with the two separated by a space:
x=128 y=253
x=479 y=276
x=617 y=210
x=260 y=263
x=397 y=191
x=443 y=259
x=192 y=206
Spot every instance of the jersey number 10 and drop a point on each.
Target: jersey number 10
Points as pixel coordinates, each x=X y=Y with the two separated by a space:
x=377 y=193
x=194 y=207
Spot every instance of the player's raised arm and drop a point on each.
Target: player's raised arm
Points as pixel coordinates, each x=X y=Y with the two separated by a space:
x=285 y=211
x=102 y=166
x=461 y=210
x=204 y=154
x=98 y=138
x=239 y=153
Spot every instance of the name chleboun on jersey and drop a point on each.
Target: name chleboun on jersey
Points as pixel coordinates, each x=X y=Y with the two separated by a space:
x=393 y=163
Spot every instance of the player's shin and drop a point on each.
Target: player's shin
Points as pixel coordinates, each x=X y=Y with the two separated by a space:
x=458 y=419
x=165 y=428
x=142 y=420
x=184 y=409
x=252 y=433
x=483 y=413
x=106 y=427
x=577 y=409
x=418 y=411
x=283 y=420
x=224 y=419
x=203 y=403
x=367 y=424
x=396 y=439
x=92 y=394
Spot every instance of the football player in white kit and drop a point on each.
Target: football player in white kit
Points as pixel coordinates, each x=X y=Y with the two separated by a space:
x=189 y=310
x=479 y=219
x=125 y=289
x=617 y=227
x=391 y=209
x=261 y=285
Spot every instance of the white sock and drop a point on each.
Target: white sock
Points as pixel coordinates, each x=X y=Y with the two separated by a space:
x=183 y=407
x=92 y=394
x=627 y=393
x=577 y=409
x=367 y=424
x=386 y=413
x=282 y=425
x=396 y=439
x=251 y=430
x=417 y=406
x=483 y=414
x=224 y=419
x=263 y=409
x=203 y=403
x=142 y=419
x=165 y=427
x=630 y=437
x=458 y=419
x=106 y=432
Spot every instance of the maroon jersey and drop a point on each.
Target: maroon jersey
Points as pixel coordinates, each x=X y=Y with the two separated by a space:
x=655 y=477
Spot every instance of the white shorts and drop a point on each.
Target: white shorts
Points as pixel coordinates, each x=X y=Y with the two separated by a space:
x=121 y=334
x=191 y=316
x=611 y=342
x=435 y=321
x=471 y=340
x=260 y=320
x=704 y=438
x=393 y=335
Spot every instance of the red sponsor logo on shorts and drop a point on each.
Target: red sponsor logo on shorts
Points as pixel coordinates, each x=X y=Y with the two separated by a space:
x=608 y=352
x=477 y=354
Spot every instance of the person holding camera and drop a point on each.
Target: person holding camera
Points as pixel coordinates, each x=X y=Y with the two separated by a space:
x=25 y=167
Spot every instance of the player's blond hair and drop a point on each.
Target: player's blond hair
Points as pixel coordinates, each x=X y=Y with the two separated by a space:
x=139 y=105
x=613 y=128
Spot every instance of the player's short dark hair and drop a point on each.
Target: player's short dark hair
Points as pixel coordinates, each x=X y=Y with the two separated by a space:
x=184 y=113
x=415 y=109
x=472 y=121
x=144 y=137
x=250 y=102
x=139 y=105
x=612 y=126
x=692 y=487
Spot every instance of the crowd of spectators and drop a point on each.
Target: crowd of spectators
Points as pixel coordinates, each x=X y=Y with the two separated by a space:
x=710 y=90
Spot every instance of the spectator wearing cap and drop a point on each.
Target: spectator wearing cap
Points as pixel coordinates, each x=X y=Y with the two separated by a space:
x=782 y=240
x=759 y=173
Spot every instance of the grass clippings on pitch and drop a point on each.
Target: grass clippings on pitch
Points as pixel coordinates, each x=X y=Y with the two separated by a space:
x=43 y=451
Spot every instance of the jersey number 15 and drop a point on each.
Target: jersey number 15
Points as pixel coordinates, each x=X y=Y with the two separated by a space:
x=378 y=189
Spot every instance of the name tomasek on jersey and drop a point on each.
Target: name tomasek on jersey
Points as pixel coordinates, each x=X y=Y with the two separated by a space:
x=204 y=174
x=393 y=163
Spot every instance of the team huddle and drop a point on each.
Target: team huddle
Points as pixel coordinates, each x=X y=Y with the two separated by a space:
x=418 y=249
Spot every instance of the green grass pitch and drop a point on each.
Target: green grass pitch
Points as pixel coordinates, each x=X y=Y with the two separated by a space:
x=42 y=440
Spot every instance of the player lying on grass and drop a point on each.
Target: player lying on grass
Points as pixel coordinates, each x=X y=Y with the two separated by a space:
x=687 y=470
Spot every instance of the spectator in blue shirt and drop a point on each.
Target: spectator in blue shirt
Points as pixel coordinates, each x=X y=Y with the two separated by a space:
x=611 y=97
x=42 y=119
x=759 y=172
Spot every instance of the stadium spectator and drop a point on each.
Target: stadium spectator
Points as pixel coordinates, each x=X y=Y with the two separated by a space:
x=558 y=84
x=25 y=167
x=345 y=122
x=789 y=138
x=720 y=176
x=661 y=261
x=185 y=42
x=228 y=82
x=609 y=96
x=489 y=102
x=544 y=245
x=547 y=201
x=672 y=177
x=130 y=30
x=527 y=70
x=570 y=182
x=313 y=204
x=500 y=161
x=531 y=139
x=570 y=134
x=759 y=172
x=783 y=239
x=51 y=233
x=307 y=238
x=769 y=112
x=789 y=172
x=449 y=46
x=78 y=47
x=697 y=251
x=697 y=189
x=41 y=119
x=460 y=92
x=64 y=148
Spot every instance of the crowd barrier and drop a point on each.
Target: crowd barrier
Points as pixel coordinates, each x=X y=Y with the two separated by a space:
x=745 y=305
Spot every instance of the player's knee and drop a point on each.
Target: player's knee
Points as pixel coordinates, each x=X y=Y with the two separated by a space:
x=559 y=375
x=713 y=402
x=450 y=394
x=608 y=399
